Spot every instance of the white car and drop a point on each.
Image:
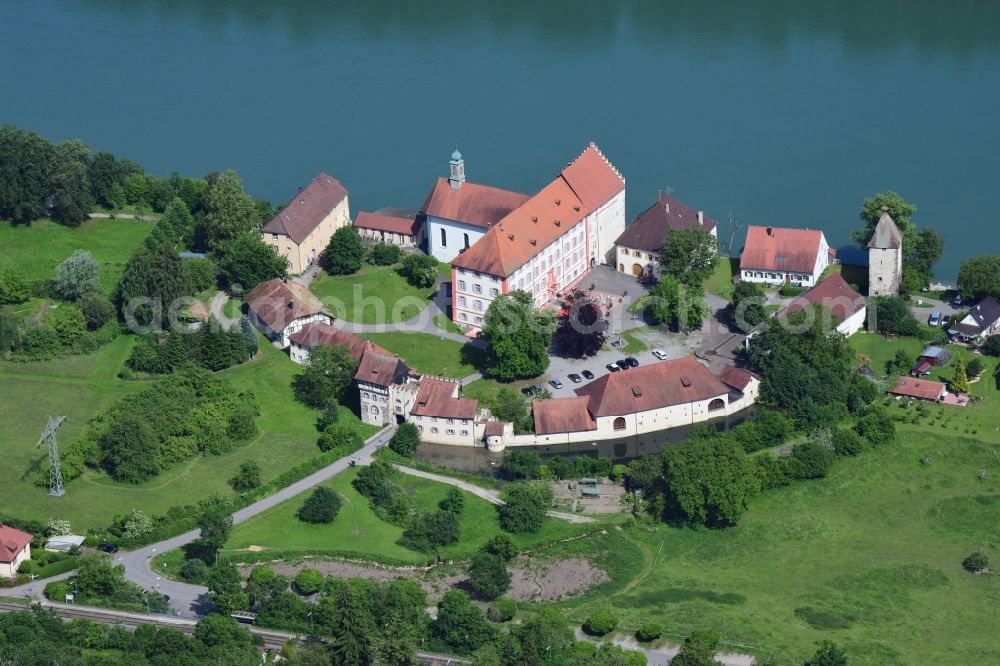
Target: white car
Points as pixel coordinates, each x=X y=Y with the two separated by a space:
x=660 y=354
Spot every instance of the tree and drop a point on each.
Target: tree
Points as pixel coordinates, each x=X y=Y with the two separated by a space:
x=327 y=374
x=69 y=324
x=509 y=405
x=691 y=309
x=689 y=255
x=345 y=252
x=979 y=277
x=351 y=630
x=524 y=508
x=214 y=525
x=405 y=440
x=194 y=569
x=453 y=501
x=899 y=363
x=892 y=315
x=13 y=287
x=698 y=649
x=225 y=589
x=420 y=270
x=960 y=379
x=97 y=309
x=710 y=480
x=157 y=275
x=899 y=209
x=522 y=464
x=746 y=307
x=974 y=368
x=502 y=546
x=518 y=335
x=384 y=254
x=488 y=576
x=976 y=562
x=828 y=654
x=27 y=161
x=848 y=442
x=811 y=460
x=582 y=329
x=248 y=478
x=248 y=261
x=918 y=265
x=875 y=427
x=309 y=581
x=321 y=506
x=991 y=346
x=216 y=630
x=502 y=610
x=229 y=212
x=600 y=623
x=648 y=631
x=76 y=276
x=338 y=436
x=459 y=624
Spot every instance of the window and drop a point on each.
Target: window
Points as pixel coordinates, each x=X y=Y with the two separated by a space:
x=461 y=301
x=374 y=410
x=274 y=236
x=461 y=285
x=478 y=306
x=451 y=420
x=463 y=316
x=434 y=430
x=479 y=320
x=478 y=288
x=420 y=428
x=465 y=432
x=494 y=292
x=466 y=236
x=444 y=239
x=716 y=404
x=619 y=423
x=450 y=431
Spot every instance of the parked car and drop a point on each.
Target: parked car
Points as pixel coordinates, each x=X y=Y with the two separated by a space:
x=575 y=378
x=660 y=354
x=632 y=361
x=556 y=383
x=537 y=388
x=109 y=547
x=587 y=374
x=612 y=367
x=623 y=364
x=945 y=320
x=957 y=300
x=935 y=318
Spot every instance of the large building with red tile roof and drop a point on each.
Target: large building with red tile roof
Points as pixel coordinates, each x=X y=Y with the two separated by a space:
x=441 y=416
x=776 y=255
x=15 y=547
x=921 y=389
x=302 y=229
x=279 y=308
x=637 y=249
x=458 y=213
x=395 y=227
x=545 y=245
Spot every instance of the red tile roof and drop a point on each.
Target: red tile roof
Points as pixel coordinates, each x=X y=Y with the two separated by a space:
x=305 y=212
x=668 y=214
x=381 y=369
x=833 y=293
x=652 y=386
x=436 y=397
x=316 y=333
x=561 y=204
x=493 y=428
x=781 y=249
x=919 y=388
x=738 y=378
x=478 y=205
x=279 y=302
x=379 y=222
x=562 y=415
x=12 y=542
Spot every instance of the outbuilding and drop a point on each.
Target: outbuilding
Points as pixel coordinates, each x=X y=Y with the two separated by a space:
x=15 y=547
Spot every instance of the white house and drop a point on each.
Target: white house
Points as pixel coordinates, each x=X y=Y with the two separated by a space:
x=847 y=306
x=637 y=249
x=458 y=212
x=982 y=321
x=393 y=226
x=279 y=308
x=15 y=547
x=547 y=244
x=776 y=255
x=441 y=416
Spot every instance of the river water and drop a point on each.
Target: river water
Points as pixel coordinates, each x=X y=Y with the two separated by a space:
x=783 y=112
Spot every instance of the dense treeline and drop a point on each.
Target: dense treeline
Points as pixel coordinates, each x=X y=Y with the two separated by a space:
x=211 y=346
x=187 y=413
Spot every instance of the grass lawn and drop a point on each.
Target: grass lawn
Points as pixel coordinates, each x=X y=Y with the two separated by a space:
x=36 y=250
x=373 y=295
x=357 y=531
x=445 y=324
x=430 y=354
x=485 y=389
x=82 y=386
x=634 y=344
x=720 y=282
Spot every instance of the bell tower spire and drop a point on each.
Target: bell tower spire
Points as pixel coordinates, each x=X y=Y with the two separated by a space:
x=457 y=170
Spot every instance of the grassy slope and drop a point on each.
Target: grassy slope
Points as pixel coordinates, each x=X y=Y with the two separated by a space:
x=720 y=282
x=376 y=294
x=38 y=249
x=82 y=386
x=431 y=354
x=357 y=530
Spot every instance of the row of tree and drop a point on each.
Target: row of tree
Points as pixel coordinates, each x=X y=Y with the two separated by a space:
x=211 y=346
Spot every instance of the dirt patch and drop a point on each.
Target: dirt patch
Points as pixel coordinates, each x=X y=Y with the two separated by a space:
x=531 y=579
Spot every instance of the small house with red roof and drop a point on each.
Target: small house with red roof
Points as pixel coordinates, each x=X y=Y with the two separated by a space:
x=921 y=389
x=15 y=547
x=779 y=255
x=302 y=229
x=441 y=416
x=846 y=306
x=394 y=226
x=637 y=249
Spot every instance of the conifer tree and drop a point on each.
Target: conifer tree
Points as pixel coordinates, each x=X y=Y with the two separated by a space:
x=960 y=380
x=351 y=644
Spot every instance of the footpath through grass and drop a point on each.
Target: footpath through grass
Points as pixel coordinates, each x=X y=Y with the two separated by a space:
x=358 y=532
x=37 y=249
x=373 y=295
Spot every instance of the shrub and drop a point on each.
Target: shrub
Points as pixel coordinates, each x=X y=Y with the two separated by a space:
x=811 y=460
x=522 y=464
x=848 y=442
x=974 y=368
x=201 y=273
x=420 y=270
x=619 y=472
x=248 y=478
x=97 y=309
x=76 y=276
x=26 y=567
x=502 y=546
x=488 y=576
x=329 y=416
x=648 y=631
x=321 y=506
x=992 y=345
x=13 y=287
x=876 y=427
x=40 y=342
x=600 y=623
x=976 y=562
x=405 y=440
x=502 y=610
x=69 y=324
x=384 y=254
x=57 y=590
x=194 y=569
x=453 y=501
x=337 y=436
x=309 y=581
x=428 y=531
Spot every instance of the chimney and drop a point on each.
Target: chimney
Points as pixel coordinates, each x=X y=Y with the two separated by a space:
x=659 y=195
x=769 y=230
x=701 y=218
